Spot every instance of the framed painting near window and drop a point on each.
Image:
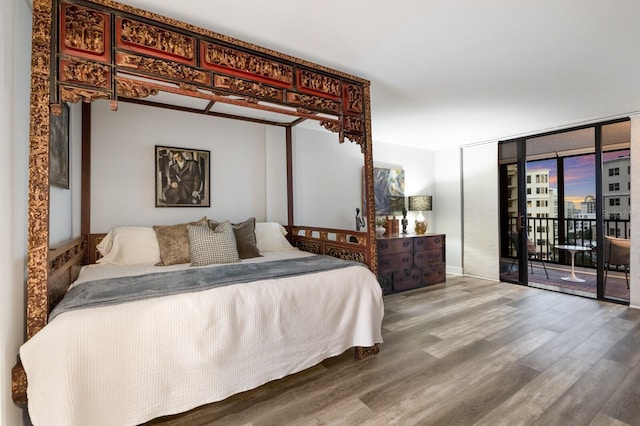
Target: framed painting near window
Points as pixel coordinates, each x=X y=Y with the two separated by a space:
x=59 y=148
x=182 y=177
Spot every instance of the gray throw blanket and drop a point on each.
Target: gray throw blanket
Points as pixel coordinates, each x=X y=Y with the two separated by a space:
x=126 y=289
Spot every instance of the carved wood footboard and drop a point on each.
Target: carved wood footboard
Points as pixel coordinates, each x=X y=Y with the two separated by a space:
x=19 y=385
x=64 y=262
x=340 y=243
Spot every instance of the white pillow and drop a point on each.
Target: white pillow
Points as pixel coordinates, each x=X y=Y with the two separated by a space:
x=270 y=236
x=104 y=246
x=130 y=245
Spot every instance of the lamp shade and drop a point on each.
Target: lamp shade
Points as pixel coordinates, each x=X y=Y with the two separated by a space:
x=420 y=203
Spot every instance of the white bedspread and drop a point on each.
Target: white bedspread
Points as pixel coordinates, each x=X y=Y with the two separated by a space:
x=126 y=364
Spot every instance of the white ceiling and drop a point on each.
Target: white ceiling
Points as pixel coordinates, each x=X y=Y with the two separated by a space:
x=452 y=72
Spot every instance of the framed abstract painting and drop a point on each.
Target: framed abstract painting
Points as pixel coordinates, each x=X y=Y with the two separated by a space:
x=388 y=187
x=182 y=177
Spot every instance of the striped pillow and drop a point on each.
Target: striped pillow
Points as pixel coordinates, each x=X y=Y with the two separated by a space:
x=212 y=246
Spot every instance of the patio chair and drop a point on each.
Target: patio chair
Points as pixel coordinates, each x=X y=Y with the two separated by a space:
x=532 y=253
x=616 y=254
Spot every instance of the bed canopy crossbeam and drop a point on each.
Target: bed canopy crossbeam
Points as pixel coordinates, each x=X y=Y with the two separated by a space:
x=133 y=88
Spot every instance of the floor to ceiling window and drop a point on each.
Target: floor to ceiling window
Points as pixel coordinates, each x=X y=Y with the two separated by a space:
x=565 y=200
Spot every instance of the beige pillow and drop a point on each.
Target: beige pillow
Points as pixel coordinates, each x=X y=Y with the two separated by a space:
x=245 y=237
x=174 y=242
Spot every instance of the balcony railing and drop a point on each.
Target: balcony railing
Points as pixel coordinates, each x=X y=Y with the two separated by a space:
x=544 y=232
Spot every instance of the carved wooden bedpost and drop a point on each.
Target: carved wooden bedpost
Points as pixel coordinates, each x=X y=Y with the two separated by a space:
x=368 y=164
x=38 y=223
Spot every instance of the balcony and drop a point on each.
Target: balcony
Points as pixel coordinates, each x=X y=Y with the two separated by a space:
x=544 y=232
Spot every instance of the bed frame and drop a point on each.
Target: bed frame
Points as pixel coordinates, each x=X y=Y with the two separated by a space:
x=83 y=50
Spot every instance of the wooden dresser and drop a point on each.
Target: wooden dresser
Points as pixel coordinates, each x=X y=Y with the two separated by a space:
x=406 y=262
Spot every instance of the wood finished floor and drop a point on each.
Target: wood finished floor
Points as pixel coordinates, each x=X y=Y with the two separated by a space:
x=471 y=352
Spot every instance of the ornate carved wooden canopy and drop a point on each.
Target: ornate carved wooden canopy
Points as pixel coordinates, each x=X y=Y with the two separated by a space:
x=151 y=53
x=84 y=50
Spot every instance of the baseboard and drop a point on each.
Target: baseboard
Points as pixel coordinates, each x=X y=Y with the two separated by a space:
x=455 y=270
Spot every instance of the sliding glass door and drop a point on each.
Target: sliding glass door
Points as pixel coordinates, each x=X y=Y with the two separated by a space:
x=565 y=210
x=513 y=213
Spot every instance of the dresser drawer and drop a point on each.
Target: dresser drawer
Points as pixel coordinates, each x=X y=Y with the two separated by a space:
x=395 y=262
x=428 y=242
x=386 y=283
x=407 y=279
x=434 y=273
x=426 y=257
x=394 y=245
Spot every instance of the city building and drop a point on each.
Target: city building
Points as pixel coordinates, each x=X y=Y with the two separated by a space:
x=616 y=191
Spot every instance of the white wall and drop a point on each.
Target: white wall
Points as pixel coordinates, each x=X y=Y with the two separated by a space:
x=448 y=211
x=327 y=179
x=15 y=43
x=276 y=179
x=123 y=165
x=480 y=207
x=435 y=173
x=419 y=177
x=248 y=169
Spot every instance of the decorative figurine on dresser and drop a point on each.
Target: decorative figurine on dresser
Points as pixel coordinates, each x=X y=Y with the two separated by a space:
x=406 y=261
x=359 y=220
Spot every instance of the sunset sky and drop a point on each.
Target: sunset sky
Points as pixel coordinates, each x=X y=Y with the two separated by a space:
x=579 y=174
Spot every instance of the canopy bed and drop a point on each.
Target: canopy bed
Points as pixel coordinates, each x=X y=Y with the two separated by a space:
x=85 y=50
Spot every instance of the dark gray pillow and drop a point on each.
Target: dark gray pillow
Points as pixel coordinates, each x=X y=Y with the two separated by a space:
x=245 y=233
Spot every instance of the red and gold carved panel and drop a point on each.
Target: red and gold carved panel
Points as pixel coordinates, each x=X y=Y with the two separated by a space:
x=85 y=32
x=248 y=88
x=145 y=38
x=73 y=94
x=353 y=124
x=332 y=126
x=133 y=89
x=358 y=139
x=162 y=68
x=315 y=103
x=345 y=253
x=352 y=98
x=318 y=84
x=236 y=62
x=85 y=72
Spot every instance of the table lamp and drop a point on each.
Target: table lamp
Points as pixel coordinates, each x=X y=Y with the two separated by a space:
x=420 y=203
